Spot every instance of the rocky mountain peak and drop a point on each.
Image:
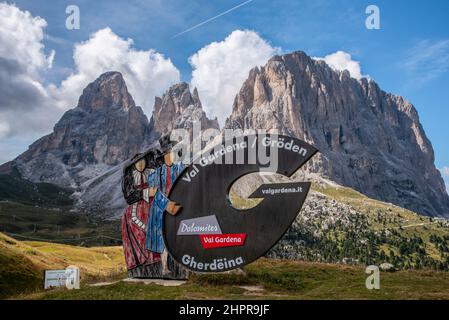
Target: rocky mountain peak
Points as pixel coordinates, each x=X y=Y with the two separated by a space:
x=178 y=97
x=369 y=140
x=196 y=97
x=107 y=90
x=90 y=142
x=105 y=129
x=178 y=108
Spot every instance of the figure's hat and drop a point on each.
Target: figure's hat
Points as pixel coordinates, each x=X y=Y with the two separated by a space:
x=149 y=155
x=166 y=143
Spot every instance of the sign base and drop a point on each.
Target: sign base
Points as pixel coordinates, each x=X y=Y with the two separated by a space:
x=155 y=271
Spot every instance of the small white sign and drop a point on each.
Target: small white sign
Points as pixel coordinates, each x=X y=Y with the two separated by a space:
x=69 y=277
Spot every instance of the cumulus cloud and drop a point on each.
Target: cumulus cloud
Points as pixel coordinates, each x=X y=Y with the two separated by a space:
x=220 y=68
x=22 y=59
x=21 y=36
x=341 y=60
x=147 y=73
x=28 y=107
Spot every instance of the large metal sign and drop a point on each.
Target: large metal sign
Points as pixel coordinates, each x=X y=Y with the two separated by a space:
x=209 y=234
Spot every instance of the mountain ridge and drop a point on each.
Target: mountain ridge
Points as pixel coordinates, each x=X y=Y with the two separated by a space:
x=91 y=142
x=368 y=139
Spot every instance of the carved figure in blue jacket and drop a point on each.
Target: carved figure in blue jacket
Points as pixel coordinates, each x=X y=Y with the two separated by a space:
x=160 y=182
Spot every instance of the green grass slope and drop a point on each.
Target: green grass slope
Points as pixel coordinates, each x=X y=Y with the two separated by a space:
x=340 y=225
x=17 y=272
x=274 y=279
x=22 y=264
x=397 y=235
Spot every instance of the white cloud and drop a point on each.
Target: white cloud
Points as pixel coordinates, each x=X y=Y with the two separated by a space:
x=22 y=59
x=220 y=68
x=341 y=60
x=147 y=73
x=28 y=107
x=21 y=37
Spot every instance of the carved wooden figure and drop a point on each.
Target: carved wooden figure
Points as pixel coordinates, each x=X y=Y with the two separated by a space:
x=147 y=180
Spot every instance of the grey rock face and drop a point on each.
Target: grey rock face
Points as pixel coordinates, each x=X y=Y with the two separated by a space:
x=102 y=194
x=108 y=90
x=105 y=129
x=90 y=143
x=178 y=109
x=369 y=140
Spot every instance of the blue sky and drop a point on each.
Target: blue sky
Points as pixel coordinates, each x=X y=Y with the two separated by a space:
x=408 y=56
